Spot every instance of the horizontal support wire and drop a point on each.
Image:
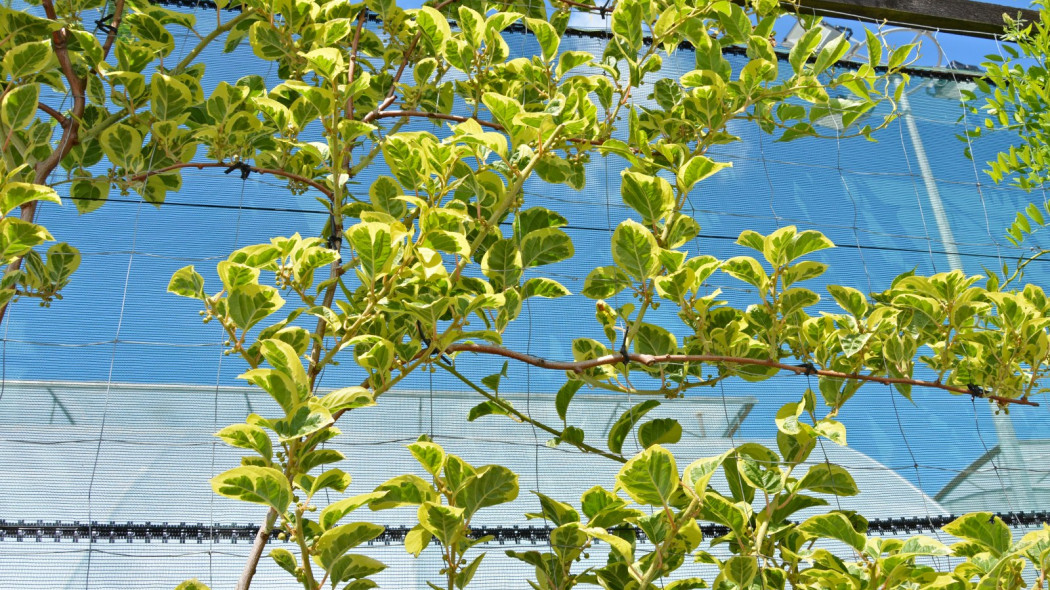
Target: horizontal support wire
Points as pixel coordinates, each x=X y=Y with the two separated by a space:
x=131 y=532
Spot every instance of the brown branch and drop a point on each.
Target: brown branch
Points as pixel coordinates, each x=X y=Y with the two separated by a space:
x=44 y=167
x=261 y=537
x=62 y=119
x=203 y=165
x=118 y=14
x=442 y=116
x=353 y=62
x=649 y=360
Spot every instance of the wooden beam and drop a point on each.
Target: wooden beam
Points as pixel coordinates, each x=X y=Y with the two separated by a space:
x=958 y=16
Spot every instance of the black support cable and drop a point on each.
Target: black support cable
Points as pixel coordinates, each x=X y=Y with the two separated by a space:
x=182 y=533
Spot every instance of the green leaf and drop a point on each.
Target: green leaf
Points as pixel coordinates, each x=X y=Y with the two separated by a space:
x=169 y=97
x=487 y=408
x=285 y=359
x=605 y=281
x=849 y=299
x=444 y=522
x=26 y=58
x=234 y=275
x=651 y=196
x=374 y=246
x=663 y=431
x=696 y=169
x=18 y=109
x=335 y=511
x=16 y=194
x=279 y=385
x=746 y=269
x=489 y=486
x=304 y=420
x=829 y=479
x=502 y=264
x=192 y=585
x=260 y=485
x=622 y=427
x=466 y=574
x=17 y=237
x=634 y=249
x=698 y=474
x=650 y=477
x=417 y=540
x=543 y=287
x=284 y=559
x=450 y=242
x=348 y=398
x=627 y=25
x=89 y=195
x=545 y=246
x=984 y=529
x=654 y=340
x=547 y=36
x=431 y=456
x=405 y=490
x=247 y=436
x=564 y=397
x=740 y=570
x=434 y=25
x=354 y=566
x=833 y=525
x=122 y=144
x=337 y=541
x=722 y=511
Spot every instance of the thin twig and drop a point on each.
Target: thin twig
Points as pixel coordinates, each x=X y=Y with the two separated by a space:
x=203 y=165
x=649 y=360
x=511 y=410
x=428 y=115
x=353 y=62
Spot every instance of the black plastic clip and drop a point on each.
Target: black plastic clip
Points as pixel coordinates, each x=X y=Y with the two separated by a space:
x=808 y=369
x=103 y=25
x=623 y=350
x=243 y=167
x=975 y=390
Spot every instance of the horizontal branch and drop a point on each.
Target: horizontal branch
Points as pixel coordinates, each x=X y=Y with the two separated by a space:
x=203 y=165
x=649 y=360
x=442 y=116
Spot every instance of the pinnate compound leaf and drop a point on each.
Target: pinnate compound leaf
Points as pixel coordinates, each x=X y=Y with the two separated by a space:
x=260 y=485
x=650 y=477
